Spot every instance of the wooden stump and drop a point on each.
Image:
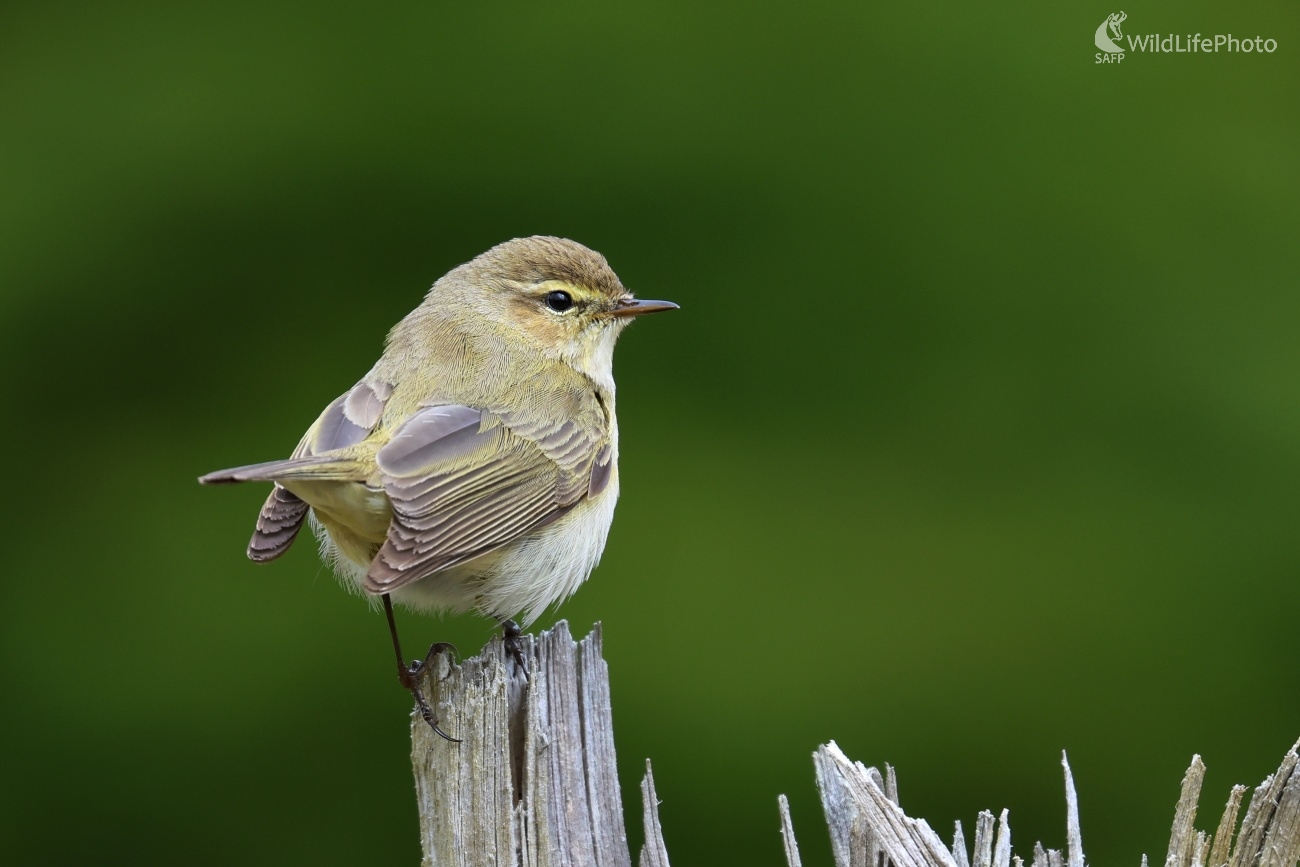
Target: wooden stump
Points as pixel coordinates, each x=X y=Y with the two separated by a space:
x=534 y=780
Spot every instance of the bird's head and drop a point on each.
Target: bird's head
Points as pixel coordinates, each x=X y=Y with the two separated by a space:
x=548 y=295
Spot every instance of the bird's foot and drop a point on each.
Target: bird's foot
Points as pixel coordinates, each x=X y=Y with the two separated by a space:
x=409 y=676
x=513 y=638
x=419 y=666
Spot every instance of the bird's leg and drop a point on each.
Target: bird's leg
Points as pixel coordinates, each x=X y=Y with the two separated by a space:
x=513 y=638
x=409 y=675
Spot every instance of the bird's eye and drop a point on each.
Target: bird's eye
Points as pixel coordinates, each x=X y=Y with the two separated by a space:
x=559 y=301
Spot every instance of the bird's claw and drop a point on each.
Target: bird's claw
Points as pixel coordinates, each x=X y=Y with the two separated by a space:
x=409 y=676
x=419 y=666
x=427 y=714
x=513 y=639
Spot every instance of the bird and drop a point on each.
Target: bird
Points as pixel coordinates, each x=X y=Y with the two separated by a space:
x=475 y=466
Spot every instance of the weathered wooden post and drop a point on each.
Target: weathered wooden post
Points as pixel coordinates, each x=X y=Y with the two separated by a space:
x=534 y=783
x=534 y=780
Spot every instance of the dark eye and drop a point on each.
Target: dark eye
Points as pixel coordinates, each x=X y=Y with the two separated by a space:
x=559 y=301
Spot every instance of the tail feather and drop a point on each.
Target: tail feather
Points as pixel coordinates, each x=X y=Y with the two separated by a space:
x=322 y=468
x=277 y=525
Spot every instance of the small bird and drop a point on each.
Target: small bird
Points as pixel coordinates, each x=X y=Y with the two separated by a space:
x=475 y=467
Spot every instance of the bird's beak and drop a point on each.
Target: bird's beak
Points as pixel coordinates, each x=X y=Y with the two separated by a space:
x=638 y=308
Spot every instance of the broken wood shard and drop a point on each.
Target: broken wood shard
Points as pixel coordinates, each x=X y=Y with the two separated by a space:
x=852 y=793
x=787 y=833
x=865 y=823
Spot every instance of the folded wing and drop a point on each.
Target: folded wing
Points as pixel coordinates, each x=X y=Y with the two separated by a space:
x=464 y=482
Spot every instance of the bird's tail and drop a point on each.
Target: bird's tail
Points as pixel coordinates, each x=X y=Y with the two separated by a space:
x=323 y=468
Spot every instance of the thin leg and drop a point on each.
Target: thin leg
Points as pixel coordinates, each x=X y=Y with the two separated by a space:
x=512 y=636
x=409 y=675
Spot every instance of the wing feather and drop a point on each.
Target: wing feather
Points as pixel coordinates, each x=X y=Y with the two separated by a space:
x=464 y=482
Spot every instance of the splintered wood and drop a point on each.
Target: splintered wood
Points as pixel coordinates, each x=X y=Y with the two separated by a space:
x=868 y=827
x=533 y=781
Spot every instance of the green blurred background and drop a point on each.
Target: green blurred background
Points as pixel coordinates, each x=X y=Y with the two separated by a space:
x=977 y=437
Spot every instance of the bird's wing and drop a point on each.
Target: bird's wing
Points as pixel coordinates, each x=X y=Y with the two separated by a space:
x=465 y=481
x=345 y=422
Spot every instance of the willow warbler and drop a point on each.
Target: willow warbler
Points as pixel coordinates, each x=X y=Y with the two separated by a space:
x=476 y=465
